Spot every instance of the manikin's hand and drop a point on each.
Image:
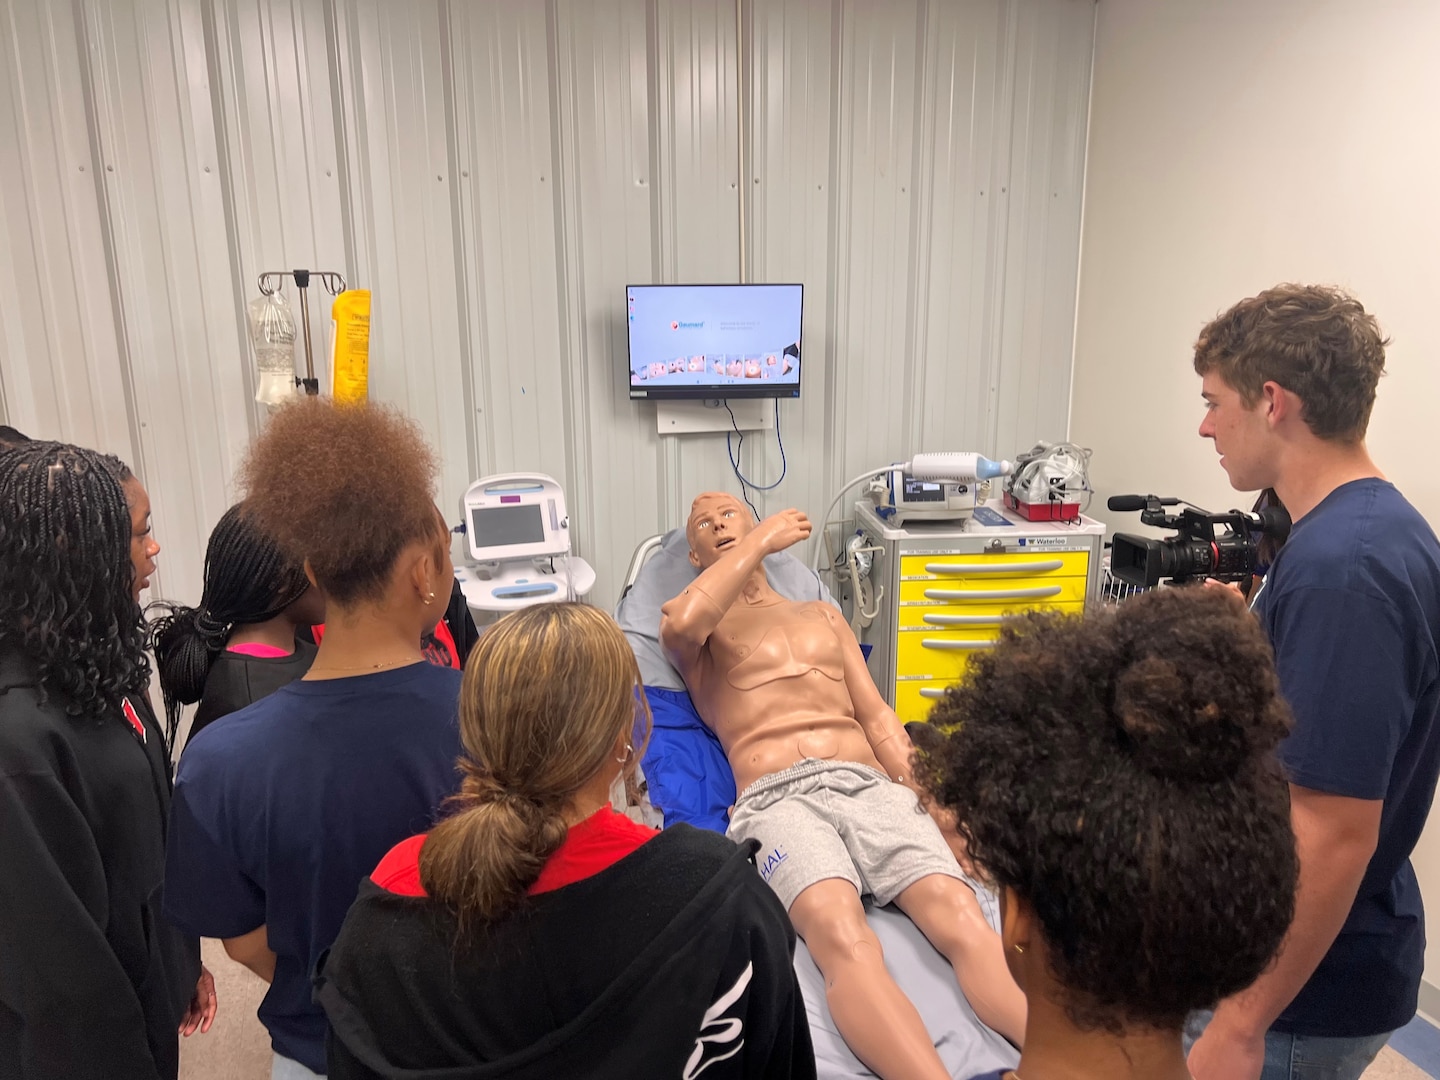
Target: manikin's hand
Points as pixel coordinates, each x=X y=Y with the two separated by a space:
x=781 y=530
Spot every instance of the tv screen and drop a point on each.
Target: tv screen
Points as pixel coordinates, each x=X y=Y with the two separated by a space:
x=714 y=341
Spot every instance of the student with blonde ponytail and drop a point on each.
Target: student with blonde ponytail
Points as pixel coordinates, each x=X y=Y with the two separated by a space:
x=536 y=932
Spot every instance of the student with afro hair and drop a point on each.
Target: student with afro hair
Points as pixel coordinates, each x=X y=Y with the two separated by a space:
x=1114 y=776
x=283 y=807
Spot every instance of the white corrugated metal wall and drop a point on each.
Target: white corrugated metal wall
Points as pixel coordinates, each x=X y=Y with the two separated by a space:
x=496 y=172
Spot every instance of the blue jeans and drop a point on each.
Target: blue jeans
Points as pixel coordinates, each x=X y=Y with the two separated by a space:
x=1305 y=1057
x=283 y=1068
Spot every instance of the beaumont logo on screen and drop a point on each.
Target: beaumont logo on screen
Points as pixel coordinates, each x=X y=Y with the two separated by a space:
x=687 y=325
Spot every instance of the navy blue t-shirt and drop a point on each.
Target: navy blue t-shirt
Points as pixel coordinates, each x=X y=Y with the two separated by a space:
x=283 y=808
x=1352 y=608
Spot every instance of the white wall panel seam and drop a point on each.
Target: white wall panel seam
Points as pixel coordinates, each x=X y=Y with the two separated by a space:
x=458 y=81
x=229 y=202
x=1000 y=164
x=838 y=242
x=22 y=161
x=1085 y=180
x=111 y=217
x=578 y=454
x=661 y=46
x=571 y=275
x=922 y=196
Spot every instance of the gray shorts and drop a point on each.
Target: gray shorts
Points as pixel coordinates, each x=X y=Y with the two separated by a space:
x=837 y=819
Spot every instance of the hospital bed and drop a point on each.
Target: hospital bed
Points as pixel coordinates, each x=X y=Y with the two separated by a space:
x=688 y=779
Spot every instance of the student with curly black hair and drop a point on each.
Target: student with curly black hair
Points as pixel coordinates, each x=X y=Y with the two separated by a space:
x=283 y=807
x=93 y=982
x=239 y=643
x=1115 y=777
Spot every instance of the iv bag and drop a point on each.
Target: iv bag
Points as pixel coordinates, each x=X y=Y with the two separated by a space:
x=272 y=334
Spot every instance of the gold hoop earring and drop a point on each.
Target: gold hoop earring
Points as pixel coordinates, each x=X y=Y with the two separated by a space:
x=429 y=598
x=1019 y=949
x=628 y=751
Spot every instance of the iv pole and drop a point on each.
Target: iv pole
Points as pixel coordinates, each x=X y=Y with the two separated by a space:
x=270 y=282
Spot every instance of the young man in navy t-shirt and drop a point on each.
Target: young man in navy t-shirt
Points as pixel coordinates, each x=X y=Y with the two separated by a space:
x=1352 y=608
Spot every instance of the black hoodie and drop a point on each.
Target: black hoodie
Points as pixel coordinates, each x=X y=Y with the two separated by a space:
x=676 y=962
x=93 y=981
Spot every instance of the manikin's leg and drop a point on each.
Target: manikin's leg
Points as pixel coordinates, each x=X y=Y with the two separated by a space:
x=947 y=913
x=874 y=1016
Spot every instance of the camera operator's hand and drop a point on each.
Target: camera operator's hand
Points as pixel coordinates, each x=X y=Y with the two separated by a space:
x=1220 y=1054
x=1211 y=583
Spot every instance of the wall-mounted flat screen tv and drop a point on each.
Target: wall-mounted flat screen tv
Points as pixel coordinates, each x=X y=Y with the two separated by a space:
x=714 y=341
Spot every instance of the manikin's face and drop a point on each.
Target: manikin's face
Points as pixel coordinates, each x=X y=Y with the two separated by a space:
x=1241 y=434
x=717 y=523
x=143 y=547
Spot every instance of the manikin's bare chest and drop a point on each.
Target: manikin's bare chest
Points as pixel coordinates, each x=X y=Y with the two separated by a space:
x=758 y=643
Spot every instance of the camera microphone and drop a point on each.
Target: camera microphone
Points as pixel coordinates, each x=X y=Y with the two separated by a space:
x=1136 y=502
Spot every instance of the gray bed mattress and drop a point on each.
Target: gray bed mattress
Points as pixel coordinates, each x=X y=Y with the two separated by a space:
x=966 y=1046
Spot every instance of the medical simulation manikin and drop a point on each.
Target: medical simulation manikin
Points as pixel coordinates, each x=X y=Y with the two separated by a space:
x=821 y=765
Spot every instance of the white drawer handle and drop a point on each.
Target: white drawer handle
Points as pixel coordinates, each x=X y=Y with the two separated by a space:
x=943 y=643
x=1039 y=592
x=968 y=620
x=992 y=567
x=934 y=693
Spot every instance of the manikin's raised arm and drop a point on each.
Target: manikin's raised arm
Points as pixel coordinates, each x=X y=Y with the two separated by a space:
x=687 y=621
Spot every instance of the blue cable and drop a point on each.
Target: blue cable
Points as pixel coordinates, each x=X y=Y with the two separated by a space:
x=735 y=460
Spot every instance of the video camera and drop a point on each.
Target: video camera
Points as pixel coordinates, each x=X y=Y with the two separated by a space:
x=1220 y=546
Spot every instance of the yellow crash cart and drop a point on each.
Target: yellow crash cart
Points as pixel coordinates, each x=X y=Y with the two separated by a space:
x=948 y=588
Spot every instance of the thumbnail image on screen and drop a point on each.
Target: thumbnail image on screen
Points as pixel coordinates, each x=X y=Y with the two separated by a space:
x=714 y=340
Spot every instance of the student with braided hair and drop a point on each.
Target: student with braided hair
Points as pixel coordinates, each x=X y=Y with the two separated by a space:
x=239 y=644
x=93 y=982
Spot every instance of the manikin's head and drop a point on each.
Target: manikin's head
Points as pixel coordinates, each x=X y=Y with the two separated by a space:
x=1296 y=363
x=717 y=522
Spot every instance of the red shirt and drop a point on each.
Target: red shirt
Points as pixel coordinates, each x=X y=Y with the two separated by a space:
x=592 y=845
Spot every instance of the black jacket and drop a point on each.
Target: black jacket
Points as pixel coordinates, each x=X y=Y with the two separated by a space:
x=93 y=981
x=674 y=962
x=236 y=680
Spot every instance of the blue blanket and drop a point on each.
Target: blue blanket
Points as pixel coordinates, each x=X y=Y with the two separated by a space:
x=688 y=777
